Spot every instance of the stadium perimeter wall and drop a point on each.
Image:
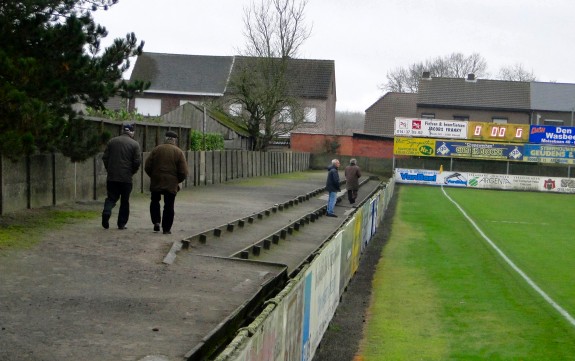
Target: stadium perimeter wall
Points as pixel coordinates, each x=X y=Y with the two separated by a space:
x=293 y=323
x=52 y=179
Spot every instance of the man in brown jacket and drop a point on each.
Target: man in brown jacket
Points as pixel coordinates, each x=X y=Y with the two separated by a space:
x=167 y=167
x=352 y=175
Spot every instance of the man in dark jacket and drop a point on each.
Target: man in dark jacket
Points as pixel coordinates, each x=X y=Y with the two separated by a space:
x=167 y=167
x=332 y=187
x=352 y=175
x=122 y=160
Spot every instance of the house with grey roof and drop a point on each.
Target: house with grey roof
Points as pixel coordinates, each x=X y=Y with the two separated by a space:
x=177 y=79
x=483 y=100
x=380 y=116
x=552 y=103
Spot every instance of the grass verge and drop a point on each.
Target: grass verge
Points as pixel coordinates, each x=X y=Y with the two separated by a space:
x=24 y=229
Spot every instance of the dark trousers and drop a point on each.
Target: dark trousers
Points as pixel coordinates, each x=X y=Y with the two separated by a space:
x=121 y=191
x=351 y=195
x=167 y=217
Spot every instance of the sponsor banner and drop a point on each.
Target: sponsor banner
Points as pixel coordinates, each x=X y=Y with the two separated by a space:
x=418 y=176
x=549 y=154
x=294 y=309
x=503 y=181
x=365 y=225
x=560 y=185
x=493 y=151
x=431 y=177
x=550 y=134
x=346 y=254
x=433 y=128
x=323 y=294
x=517 y=133
x=453 y=179
x=489 y=181
x=414 y=146
x=267 y=339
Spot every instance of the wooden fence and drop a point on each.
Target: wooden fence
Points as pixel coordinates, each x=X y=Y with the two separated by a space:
x=52 y=179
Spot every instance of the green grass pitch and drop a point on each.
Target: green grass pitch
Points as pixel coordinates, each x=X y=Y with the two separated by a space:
x=442 y=292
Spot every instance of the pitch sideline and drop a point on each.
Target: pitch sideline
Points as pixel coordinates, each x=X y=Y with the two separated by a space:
x=545 y=296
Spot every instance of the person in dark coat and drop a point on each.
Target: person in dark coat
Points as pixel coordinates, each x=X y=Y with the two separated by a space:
x=332 y=187
x=352 y=175
x=167 y=167
x=122 y=159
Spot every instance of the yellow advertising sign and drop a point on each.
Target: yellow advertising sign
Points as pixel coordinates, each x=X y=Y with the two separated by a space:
x=517 y=133
x=414 y=146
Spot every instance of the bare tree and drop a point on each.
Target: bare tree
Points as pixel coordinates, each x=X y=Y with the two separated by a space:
x=275 y=29
x=455 y=65
x=516 y=72
x=346 y=122
x=261 y=81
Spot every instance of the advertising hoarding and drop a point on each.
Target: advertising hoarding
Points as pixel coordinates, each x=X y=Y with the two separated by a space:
x=550 y=134
x=549 y=154
x=414 y=146
x=433 y=128
x=492 y=151
x=485 y=181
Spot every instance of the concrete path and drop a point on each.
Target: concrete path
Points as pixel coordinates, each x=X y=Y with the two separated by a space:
x=86 y=293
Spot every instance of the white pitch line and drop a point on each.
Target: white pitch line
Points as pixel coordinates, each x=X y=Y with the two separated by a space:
x=546 y=297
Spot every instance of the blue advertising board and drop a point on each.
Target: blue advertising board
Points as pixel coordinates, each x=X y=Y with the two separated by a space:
x=494 y=151
x=550 y=134
x=549 y=154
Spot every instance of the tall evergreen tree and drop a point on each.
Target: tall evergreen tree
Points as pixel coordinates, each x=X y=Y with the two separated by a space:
x=51 y=60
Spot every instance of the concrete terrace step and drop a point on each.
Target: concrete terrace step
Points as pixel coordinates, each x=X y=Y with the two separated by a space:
x=299 y=222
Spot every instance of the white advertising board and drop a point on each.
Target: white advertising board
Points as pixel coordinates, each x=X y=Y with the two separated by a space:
x=432 y=128
x=485 y=181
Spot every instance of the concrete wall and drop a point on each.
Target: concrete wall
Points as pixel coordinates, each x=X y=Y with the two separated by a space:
x=52 y=179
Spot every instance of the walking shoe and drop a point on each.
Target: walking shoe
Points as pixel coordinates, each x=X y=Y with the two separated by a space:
x=156 y=227
x=331 y=215
x=105 y=221
x=122 y=227
x=167 y=232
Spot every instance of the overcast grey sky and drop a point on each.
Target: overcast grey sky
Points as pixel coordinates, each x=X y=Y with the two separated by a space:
x=369 y=38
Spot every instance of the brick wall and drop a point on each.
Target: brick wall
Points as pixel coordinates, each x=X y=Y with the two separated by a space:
x=355 y=146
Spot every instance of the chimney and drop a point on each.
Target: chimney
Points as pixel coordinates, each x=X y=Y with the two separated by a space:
x=471 y=77
x=426 y=75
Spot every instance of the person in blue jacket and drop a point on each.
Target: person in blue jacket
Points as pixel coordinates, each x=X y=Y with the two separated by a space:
x=332 y=186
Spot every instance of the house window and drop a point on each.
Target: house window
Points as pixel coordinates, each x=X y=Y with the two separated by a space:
x=310 y=115
x=235 y=109
x=285 y=115
x=149 y=107
x=427 y=115
x=499 y=120
x=461 y=117
x=553 y=122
